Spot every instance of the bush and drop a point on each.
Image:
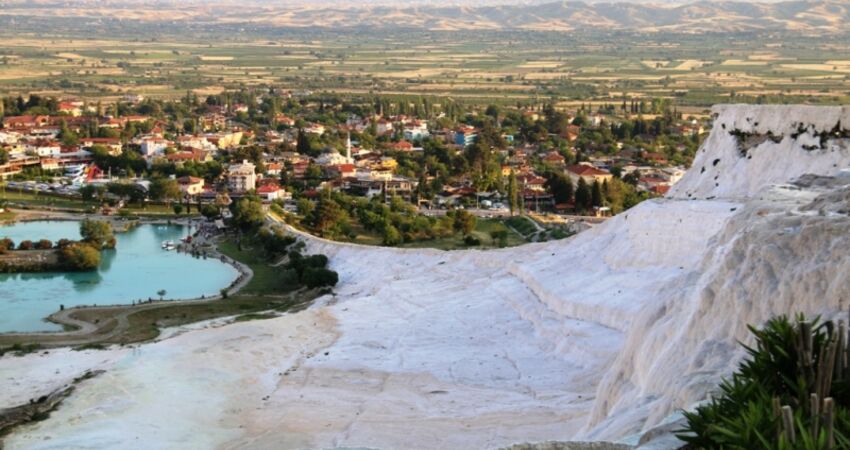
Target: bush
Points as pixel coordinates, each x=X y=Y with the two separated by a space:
x=80 y=257
x=209 y=211
x=792 y=393
x=44 y=244
x=275 y=240
x=471 y=241
x=25 y=245
x=314 y=278
x=97 y=233
x=62 y=243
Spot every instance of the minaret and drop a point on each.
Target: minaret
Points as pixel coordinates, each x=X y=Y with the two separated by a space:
x=348 y=148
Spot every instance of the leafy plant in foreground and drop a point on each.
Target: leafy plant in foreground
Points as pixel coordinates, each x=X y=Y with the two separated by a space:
x=792 y=392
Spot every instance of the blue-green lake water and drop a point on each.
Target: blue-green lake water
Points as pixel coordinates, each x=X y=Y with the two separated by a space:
x=136 y=270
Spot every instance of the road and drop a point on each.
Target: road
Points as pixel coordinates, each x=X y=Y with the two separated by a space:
x=488 y=213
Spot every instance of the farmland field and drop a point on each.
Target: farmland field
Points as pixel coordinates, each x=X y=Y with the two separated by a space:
x=505 y=66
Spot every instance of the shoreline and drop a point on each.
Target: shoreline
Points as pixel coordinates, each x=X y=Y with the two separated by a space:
x=83 y=332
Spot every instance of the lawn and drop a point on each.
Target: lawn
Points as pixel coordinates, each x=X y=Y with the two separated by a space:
x=483 y=228
x=46 y=200
x=29 y=199
x=522 y=225
x=266 y=280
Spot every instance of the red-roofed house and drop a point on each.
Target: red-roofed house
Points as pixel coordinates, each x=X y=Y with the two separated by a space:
x=191 y=185
x=588 y=173
x=19 y=122
x=400 y=146
x=340 y=170
x=273 y=191
x=532 y=182
x=554 y=159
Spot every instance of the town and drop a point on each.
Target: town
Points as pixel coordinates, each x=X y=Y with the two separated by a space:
x=400 y=169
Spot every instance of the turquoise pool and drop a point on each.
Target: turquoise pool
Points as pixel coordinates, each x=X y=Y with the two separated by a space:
x=137 y=269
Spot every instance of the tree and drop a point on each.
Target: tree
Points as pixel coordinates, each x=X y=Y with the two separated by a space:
x=209 y=211
x=248 y=213
x=79 y=256
x=161 y=293
x=126 y=191
x=305 y=207
x=165 y=189
x=319 y=277
x=501 y=236
x=464 y=221
x=513 y=192
x=328 y=219
x=596 y=194
x=560 y=186
x=67 y=136
x=392 y=237
x=92 y=191
x=44 y=244
x=97 y=233
x=583 y=196
x=6 y=244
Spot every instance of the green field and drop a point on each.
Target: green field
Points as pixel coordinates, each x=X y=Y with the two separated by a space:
x=483 y=228
x=266 y=278
x=503 y=67
x=45 y=200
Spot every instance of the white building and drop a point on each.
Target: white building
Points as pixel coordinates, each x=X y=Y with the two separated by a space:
x=416 y=131
x=242 y=177
x=153 y=146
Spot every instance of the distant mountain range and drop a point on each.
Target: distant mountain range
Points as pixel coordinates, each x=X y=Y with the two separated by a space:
x=815 y=16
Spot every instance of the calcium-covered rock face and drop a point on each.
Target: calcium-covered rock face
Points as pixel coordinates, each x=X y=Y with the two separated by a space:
x=598 y=337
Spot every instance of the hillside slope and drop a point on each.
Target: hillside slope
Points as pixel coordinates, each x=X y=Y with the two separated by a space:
x=598 y=337
x=807 y=17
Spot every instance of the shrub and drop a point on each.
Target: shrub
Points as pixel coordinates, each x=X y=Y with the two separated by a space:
x=44 y=244
x=97 y=233
x=62 y=243
x=314 y=277
x=80 y=257
x=25 y=245
x=793 y=392
x=209 y=211
x=471 y=241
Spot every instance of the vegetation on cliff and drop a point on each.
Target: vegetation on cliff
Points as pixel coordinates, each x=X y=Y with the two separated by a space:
x=793 y=392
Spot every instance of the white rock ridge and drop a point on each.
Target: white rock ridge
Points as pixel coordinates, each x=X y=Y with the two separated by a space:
x=598 y=337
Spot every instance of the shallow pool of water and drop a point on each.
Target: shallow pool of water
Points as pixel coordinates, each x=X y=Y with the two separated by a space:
x=136 y=270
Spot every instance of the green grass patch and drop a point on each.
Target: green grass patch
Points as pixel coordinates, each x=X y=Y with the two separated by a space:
x=522 y=225
x=90 y=347
x=50 y=200
x=267 y=279
x=146 y=323
x=255 y=316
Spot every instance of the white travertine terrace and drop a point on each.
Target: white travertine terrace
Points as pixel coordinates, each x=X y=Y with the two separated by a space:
x=598 y=337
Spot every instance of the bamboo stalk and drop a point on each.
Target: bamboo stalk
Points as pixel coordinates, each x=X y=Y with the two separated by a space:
x=829 y=419
x=788 y=424
x=830 y=368
x=814 y=410
x=777 y=416
x=841 y=361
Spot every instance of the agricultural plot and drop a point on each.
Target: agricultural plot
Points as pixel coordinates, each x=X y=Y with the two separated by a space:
x=492 y=66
